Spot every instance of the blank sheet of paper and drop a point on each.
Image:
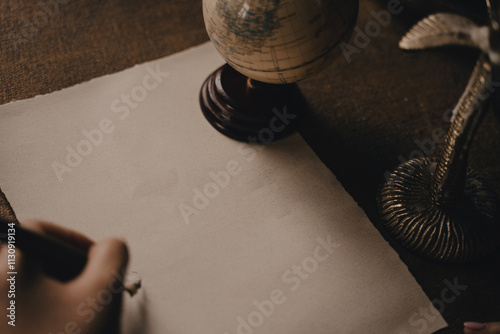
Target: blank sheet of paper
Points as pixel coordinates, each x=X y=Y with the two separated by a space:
x=228 y=237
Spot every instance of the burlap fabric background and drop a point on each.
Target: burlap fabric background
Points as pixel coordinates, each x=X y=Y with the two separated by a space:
x=367 y=114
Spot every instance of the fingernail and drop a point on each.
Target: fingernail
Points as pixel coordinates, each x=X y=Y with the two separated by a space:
x=475 y=326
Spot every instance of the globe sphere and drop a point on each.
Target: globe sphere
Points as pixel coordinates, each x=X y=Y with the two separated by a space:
x=279 y=41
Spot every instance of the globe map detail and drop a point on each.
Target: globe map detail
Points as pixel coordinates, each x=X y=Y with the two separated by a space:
x=279 y=41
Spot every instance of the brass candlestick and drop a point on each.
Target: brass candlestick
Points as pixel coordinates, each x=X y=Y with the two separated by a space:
x=436 y=207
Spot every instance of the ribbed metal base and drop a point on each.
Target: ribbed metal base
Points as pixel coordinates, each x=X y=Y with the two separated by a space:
x=465 y=232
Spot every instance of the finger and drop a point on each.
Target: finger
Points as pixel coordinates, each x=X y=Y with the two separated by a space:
x=106 y=265
x=61 y=233
x=480 y=328
x=493 y=328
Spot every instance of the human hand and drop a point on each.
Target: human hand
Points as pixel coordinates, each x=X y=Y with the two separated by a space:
x=88 y=304
x=479 y=328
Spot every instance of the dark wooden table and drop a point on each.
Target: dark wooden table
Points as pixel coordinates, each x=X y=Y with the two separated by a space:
x=367 y=115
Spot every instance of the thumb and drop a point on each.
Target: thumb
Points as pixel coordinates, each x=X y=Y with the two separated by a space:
x=106 y=265
x=479 y=328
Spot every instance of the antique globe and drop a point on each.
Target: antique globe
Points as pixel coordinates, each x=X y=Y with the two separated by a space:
x=269 y=45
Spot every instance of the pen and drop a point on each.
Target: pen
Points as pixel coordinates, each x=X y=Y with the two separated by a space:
x=59 y=260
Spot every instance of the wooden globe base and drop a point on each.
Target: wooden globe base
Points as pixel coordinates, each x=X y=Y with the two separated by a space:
x=248 y=110
x=466 y=231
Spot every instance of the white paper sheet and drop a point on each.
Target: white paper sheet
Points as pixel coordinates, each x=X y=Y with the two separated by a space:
x=277 y=245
